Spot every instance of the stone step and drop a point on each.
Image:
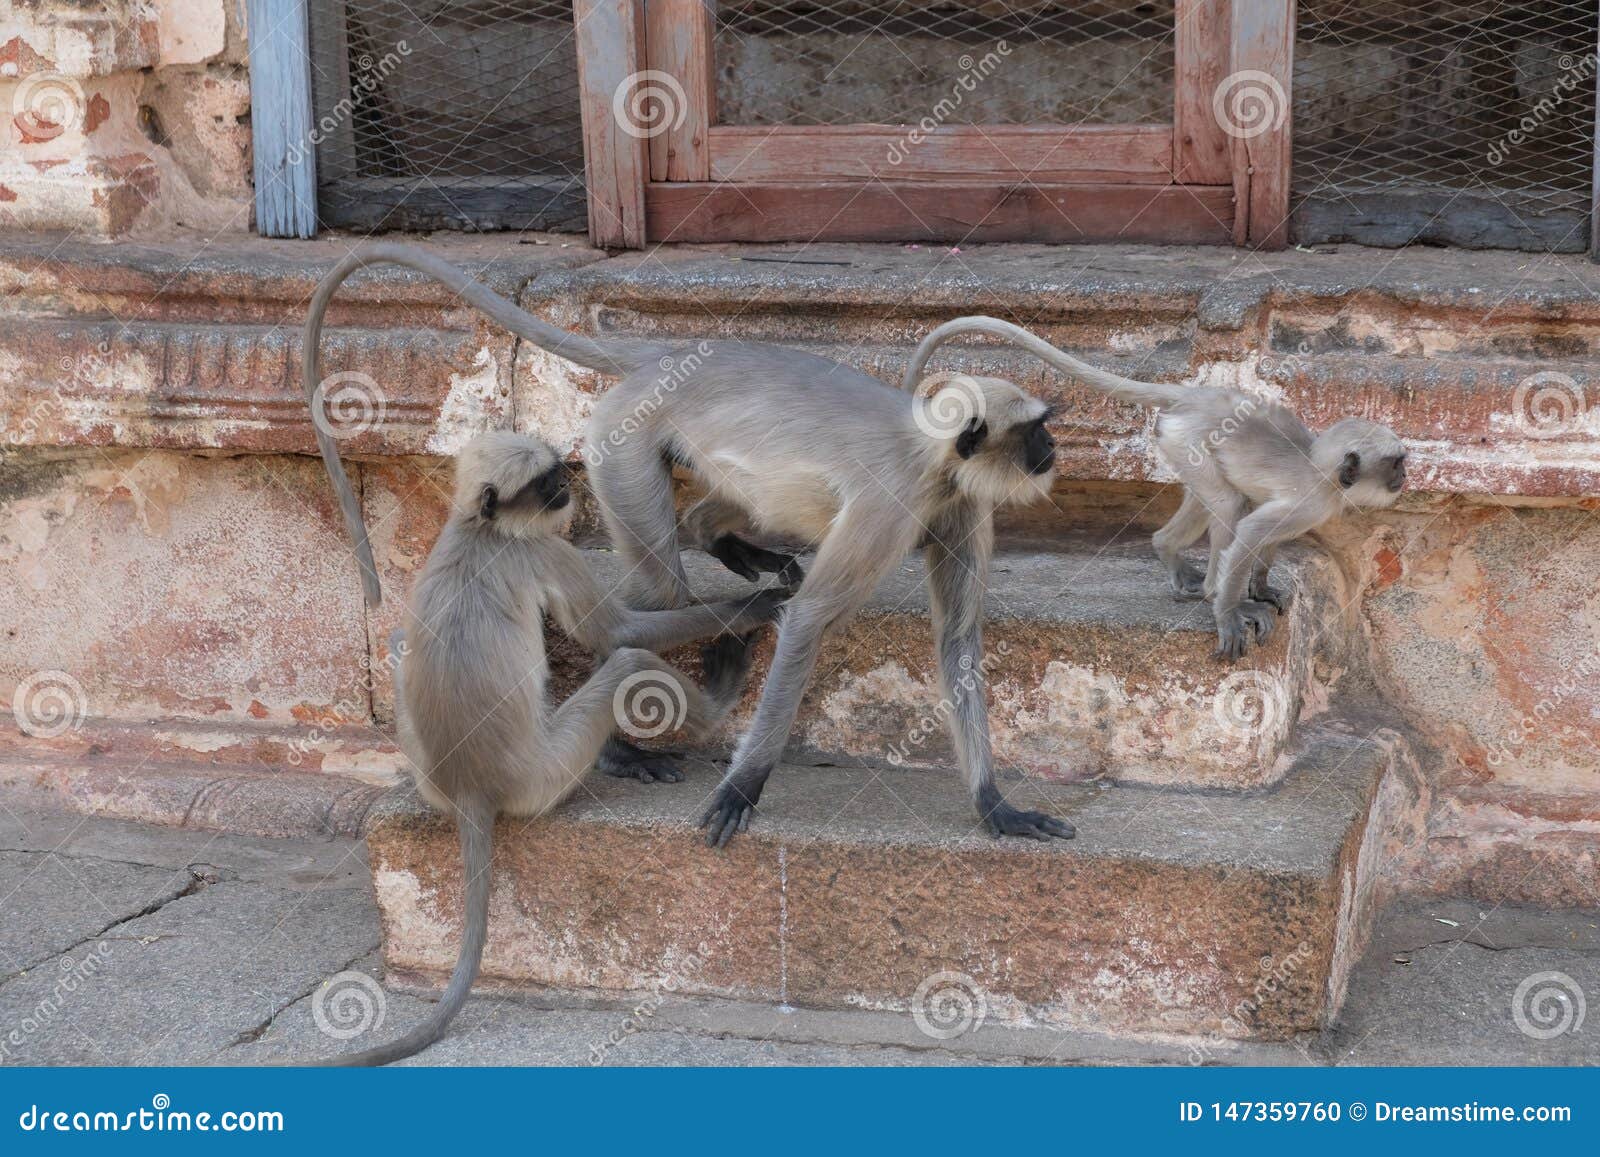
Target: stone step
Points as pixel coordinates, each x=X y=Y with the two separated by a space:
x=1230 y=916
x=1095 y=670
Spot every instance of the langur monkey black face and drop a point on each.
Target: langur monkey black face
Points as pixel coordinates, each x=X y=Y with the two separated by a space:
x=1005 y=453
x=1371 y=470
x=515 y=484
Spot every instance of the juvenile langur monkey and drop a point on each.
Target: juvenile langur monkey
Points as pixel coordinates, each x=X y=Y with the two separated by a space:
x=470 y=694
x=804 y=448
x=1254 y=477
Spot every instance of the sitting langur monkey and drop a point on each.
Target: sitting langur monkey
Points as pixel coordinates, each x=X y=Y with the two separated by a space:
x=807 y=448
x=1254 y=477
x=470 y=695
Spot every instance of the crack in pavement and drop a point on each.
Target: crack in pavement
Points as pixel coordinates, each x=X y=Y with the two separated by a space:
x=254 y=1033
x=197 y=881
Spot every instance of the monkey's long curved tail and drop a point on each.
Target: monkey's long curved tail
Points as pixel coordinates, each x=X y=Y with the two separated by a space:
x=612 y=357
x=1119 y=387
x=476 y=823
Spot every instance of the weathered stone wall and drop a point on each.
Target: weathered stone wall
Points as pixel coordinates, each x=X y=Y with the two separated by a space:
x=168 y=543
x=125 y=115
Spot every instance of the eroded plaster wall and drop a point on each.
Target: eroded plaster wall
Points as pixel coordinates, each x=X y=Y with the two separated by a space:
x=124 y=116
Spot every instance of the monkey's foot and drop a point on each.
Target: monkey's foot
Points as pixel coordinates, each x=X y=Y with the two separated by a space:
x=1188 y=584
x=1004 y=820
x=748 y=560
x=732 y=805
x=1235 y=627
x=623 y=760
x=1263 y=593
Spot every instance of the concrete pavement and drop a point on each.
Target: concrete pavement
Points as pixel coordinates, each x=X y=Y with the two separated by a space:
x=127 y=944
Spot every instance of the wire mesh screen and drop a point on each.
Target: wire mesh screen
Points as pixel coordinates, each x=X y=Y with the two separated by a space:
x=978 y=62
x=447 y=114
x=1466 y=122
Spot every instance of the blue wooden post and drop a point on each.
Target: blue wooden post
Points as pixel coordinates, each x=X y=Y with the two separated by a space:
x=280 y=119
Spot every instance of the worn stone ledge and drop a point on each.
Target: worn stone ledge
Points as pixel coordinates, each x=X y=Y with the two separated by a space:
x=1093 y=671
x=853 y=887
x=1453 y=351
x=163 y=346
x=274 y=804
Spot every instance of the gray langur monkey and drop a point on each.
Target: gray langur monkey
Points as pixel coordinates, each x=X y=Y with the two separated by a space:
x=806 y=448
x=1254 y=477
x=470 y=694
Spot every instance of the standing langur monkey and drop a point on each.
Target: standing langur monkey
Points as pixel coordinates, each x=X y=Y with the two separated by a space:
x=1254 y=477
x=803 y=447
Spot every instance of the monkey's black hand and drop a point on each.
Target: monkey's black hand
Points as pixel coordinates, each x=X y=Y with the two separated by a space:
x=732 y=805
x=1235 y=628
x=1004 y=820
x=747 y=560
x=1188 y=584
x=1262 y=593
x=725 y=661
x=623 y=760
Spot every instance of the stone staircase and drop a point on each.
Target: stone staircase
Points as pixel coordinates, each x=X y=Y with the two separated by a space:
x=1217 y=885
x=1232 y=819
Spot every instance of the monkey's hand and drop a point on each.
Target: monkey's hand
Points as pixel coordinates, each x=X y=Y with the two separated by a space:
x=1261 y=592
x=1004 y=820
x=747 y=560
x=1188 y=583
x=623 y=760
x=732 y=805
x=726 y=664
x=761 y=607
x=1236 y=626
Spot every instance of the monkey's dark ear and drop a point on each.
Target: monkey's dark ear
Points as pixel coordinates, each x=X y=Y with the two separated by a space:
x=488 y=503
x=968 y=441
x=1349 y=469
